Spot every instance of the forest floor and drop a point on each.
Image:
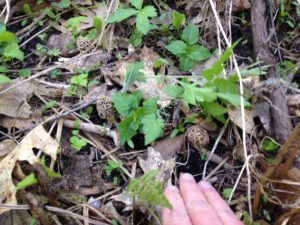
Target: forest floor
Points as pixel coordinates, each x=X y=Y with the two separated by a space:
x=105 y=103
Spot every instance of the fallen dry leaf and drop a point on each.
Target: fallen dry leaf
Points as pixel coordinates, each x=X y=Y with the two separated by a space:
x=6 y=146
x=60 y=41
x=262 y=111
x=14 y=103
x=37 y=138
x=235 y=116
x=169 y=147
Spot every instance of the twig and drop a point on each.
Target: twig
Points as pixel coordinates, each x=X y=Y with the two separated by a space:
x=214 y=148
x=242 y=106
x=7 y=11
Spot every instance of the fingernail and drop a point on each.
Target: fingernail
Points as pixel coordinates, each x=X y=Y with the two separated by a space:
x=172 y=188
x=205 y=184
x=186 y=176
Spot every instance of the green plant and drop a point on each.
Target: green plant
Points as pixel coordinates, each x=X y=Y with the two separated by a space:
x=77 y=143
x=215 y=94
x=187 y=49
x=133 y=73
x=269 y=144
x=112 y=166
x=142 y=15
x=147 y=190
x=227 y=192
x=145 y=118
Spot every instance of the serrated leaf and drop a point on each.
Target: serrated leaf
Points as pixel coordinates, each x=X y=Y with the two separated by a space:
x=199 y=53
x=185 y=63
x=173 y=91
x=138 y=4
x=133 y=74
x=177 y=19
x=149 y=11
x=142 y=21
x=214 y=109
x=121 y=14
x=234 y=99
x=176 y=47
x=205 y=94
x=127 y=128
x=150 y=105
x=4 y=79
x=13 y=51
x=152 y=127
x=190 y=34
x=124 y=103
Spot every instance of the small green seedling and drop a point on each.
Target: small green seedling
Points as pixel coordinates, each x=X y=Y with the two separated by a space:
x=227 y=192
x=145 y=118
x=142 y=15
x=187 y=49
x=268 y=144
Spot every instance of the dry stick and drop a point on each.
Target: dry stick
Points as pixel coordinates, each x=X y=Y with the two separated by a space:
x=30 y=26
x=33 y=36
x=242 y=106
x=214 y=148
x=53 y=209
x=7 y=11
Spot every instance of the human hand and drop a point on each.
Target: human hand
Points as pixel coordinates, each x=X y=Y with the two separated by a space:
x=196 y=204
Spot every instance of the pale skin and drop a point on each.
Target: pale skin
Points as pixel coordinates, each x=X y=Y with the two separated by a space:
x=196 y=204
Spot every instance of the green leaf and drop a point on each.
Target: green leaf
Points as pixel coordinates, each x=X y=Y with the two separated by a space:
x=227 y=192
x=54 y=52
x=50 y=104
x=50 y=172
x=149 y=11
x=234 y=99
x=63 y=4
x=3 y=69
x=213 y=109
x=127 y=128
x=152 y=127
x=50 y=13
x=27 y=181
x=4 y=79
x=24 y=73
x=133 y=74
x=138 y=4
x=97 y=23
x=205 y=94
x=173 y=91
x=199 y=53
x=124 y=103
x=269 y=144
x=142 y=21
x=121 y=14
x=2 y=27
x=185 y=63
x=27 y=9
x=190 y=34
x=13 y=51
x=77 y=143
x=159 y=62
x=176 y=47
x=7 y=36
x=136 y=38
x=150 y=105
x=177 y=19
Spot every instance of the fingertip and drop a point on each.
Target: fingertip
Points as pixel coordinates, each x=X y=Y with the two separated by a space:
x=187 y=177
x=205 y=185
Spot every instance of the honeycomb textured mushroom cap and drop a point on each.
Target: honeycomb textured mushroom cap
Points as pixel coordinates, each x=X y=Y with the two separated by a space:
x=105 y=107
x=198 y=136
x=83 y=44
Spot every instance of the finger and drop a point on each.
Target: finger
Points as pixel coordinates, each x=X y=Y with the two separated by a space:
x=223 y=211
x=198 y=208
x=178 y=214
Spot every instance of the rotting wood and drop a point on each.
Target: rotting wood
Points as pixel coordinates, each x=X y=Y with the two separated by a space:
x=281 y=123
